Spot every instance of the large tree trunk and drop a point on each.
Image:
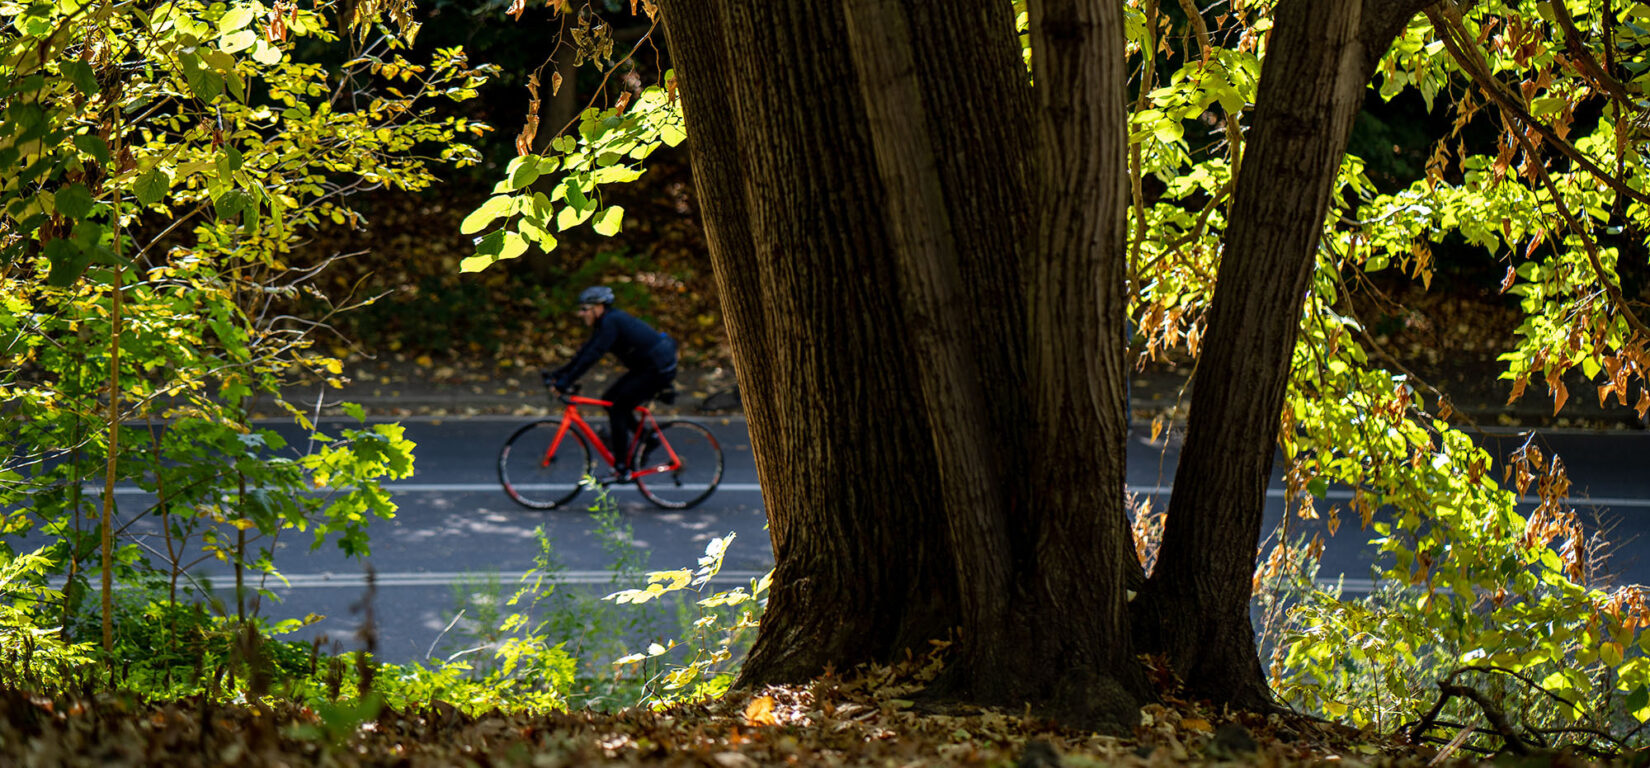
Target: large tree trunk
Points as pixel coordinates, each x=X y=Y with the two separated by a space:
x=1195 y=608
x=1082 y=551
x=870 y=225
x=793 y=215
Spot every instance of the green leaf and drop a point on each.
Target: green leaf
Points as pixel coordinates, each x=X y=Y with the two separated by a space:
x=236 y=18
x=514 y=245
x=570 y=217
x=607 y=224
x=235 y=42
x=74 y=201
x=266 y=54
x=68 y=261
x=1230 y=100
x=80 y=73
x=151 y=187
x=1638 y=704
x=573 y=193
x=533 y=229
x=204 y=83
x=486 y=214
x=94 y=146
x=232 y=203
x=488 y=251
x=672 y=134
x=523 y=170
x=615 y=174
x=1546 y=105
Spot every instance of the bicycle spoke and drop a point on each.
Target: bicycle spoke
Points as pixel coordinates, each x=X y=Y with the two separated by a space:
x=535 y=477
x=683 y=469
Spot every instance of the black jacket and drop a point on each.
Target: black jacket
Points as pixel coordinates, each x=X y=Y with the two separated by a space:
x=637 y=345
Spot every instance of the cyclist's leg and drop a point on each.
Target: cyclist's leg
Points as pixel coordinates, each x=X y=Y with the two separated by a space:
x=629 y=391
x=664 y=381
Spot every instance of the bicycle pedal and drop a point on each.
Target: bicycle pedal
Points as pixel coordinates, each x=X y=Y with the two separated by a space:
x=604 y=482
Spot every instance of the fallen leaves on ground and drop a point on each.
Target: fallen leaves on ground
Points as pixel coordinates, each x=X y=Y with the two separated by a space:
x=870 y=720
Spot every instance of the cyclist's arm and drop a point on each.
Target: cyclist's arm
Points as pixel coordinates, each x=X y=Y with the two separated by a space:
x=600 y=341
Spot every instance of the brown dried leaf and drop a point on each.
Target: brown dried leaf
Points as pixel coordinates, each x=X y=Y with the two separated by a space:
x=760 y=711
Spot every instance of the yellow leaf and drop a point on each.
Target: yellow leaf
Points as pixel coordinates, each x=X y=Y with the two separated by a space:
x=1196 y=724
x=424 y=361
x=760 y=711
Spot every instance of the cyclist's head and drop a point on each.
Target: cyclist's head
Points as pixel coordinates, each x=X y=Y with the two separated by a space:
x=593 y=303
x=596 y=294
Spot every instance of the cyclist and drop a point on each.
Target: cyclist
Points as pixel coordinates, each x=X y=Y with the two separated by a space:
x=649 y=357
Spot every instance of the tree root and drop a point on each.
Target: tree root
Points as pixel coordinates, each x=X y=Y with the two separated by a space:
x=1518 y=741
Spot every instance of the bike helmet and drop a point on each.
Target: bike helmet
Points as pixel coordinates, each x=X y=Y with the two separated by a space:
x=596 y=294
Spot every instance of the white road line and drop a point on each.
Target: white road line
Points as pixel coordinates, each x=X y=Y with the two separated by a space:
x=1148 y=490
x=132 y=490
x=1339 y=495
x=445 y=578
x=485 y=487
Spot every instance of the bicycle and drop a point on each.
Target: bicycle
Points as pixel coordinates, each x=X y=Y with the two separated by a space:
x=545 y=463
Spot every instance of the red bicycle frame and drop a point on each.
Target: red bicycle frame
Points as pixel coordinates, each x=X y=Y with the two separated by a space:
x=572 y=418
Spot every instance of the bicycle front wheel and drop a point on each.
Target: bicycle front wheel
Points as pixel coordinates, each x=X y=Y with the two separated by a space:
x=536 y=476
x=681 y=470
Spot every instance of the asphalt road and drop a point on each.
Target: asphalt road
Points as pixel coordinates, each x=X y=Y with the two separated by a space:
x=456 y=527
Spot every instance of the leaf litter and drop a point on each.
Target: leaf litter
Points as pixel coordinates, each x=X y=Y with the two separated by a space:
x=877 y=717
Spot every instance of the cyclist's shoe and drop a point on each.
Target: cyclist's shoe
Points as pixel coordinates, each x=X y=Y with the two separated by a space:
x=619 y=476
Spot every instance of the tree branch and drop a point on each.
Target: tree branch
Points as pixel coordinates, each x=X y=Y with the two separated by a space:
x=1492 y=713
x=1574 y=224
x=1453 y=35
x=1585 y=62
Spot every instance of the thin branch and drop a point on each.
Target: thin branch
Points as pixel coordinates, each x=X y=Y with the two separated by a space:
x=1584 y=59
x=1492 y=713
x=601 y=87
x=1587 y=241
x=1454 y=37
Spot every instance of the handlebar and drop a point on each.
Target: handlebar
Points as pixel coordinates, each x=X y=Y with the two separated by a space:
x=557 y=394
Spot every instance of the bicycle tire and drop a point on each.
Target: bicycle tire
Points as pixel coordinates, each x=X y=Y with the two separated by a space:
x=694 y=480
x=532 y=483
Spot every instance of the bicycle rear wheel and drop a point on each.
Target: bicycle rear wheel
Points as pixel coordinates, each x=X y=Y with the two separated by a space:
x=536 y=478
x=681 y=471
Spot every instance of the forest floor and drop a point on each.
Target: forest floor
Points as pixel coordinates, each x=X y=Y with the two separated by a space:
x=875 y=719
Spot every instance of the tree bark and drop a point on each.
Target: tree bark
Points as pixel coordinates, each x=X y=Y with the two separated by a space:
x=1195 y=608
x=1082 y=549
x=928 y=328
x=867 y=213
x=794 y=215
